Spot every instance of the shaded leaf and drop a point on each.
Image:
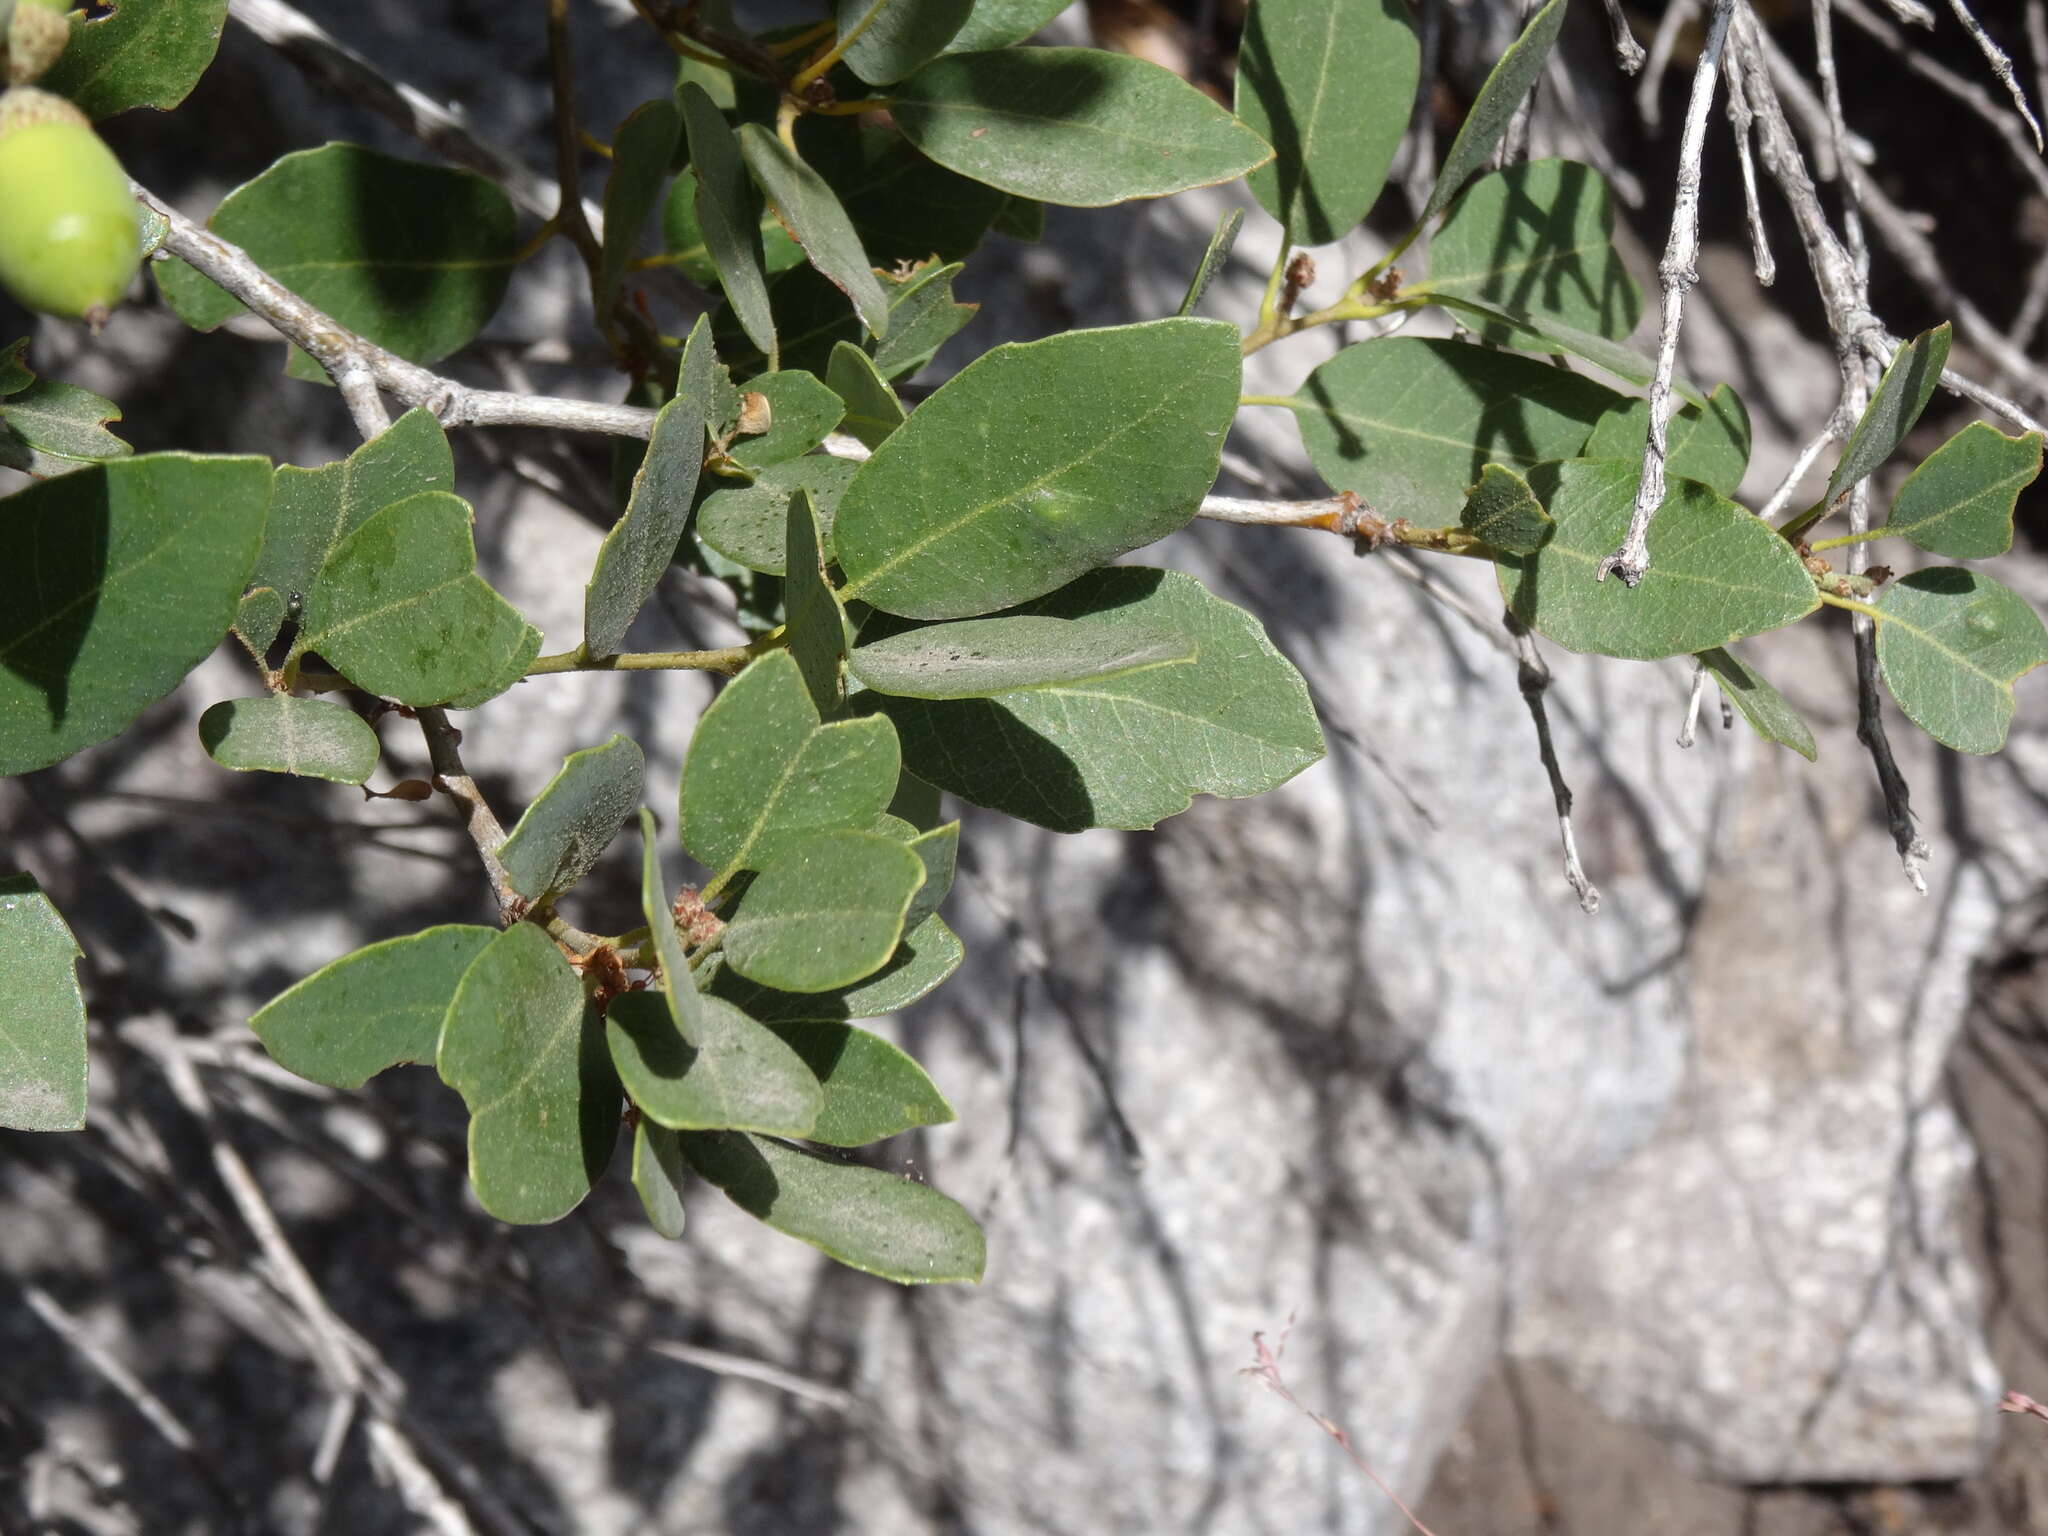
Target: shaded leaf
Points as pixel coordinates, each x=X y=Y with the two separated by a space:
x=1951 y=644
x=810 y=316
x=810 y=209
x=413 y=257
x=51 y=428
x=1330 y=84
x=1409 y=424
x=866 y=1219
x=379 y=1007
x=740 y=243
x=1504 y=512
x=893 y=38
x=1720 y=573
x=1959 y=502
x=1021 y=218
x=939 y=851
x=140 y=53
x=1213 y=259
x=974 y=658
x=42 y=1046
x=816 y=621
x=872 y=409
x=524 y=1048
x=923 y=316
x=15 y=373
x=641 y=152
x=1131 y=750
x=574 y=819
x=313 y=510
x=872 y=1089
x=750 y=523
x=658 y=1175
x=739 y=1075
x=1039 y=461
x=905 y=208
x=399 y=610
x=825 y=911
x=802 y=411
x=1761 y=705
x=1546 y=333
x=642 y=543
x=280 y=734
x=1710 y=445
x=1495 y=105
x=1075 y=126
x=763 y=771
x=1536 y=239
x=1901 y=395
x=117 y=581
x=925 y=958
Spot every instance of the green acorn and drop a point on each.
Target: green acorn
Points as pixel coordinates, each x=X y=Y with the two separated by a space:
x=70 y=234
x=36 y=35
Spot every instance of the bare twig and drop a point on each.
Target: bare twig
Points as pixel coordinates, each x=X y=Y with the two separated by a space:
x=479 y=820
x=1739 y=119
x=1782 y=496
x=1533 y=675
x=1838 y=140
x=1686 y=736
x=2001 y=66
x=1650 y=87
x=1679 y=272
x=1266 y=1372
x=1628 y=53
x=330 y=62
x=568 y=146
x=2037 y=44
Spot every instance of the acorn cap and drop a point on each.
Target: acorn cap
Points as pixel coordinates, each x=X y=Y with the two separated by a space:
x=24 y=106
x=36 y=36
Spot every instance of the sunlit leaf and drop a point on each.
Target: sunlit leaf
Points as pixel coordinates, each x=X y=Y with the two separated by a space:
x=825 y=911
x=1495 y=106
x=1901 y=395
x=1959 y=502
x=573 y=820
x=872 y=1089
x=140 y=53
x=42 y=1047
x=1761 y=705
x=1951 y=644
x=312 y=738
x=1710 y=445
x=811 y=211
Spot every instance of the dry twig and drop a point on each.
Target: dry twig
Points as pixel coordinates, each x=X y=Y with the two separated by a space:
x=1533 y=675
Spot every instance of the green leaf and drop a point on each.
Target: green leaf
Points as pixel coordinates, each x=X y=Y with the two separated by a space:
x=1505 y=513
x=868 y=1220
x=280 y=734
x=825 y=911
x=42 y=1048
x=763 y=771
x=1075 y=126
x=725 y=213
x=1213 y=259
x=872 y=1089
x=904 y=208
x=925 y=958
x=1039 y=461
x=1330 y=84
x=574 y=820
x=642 y=543
x=117 y=581
x=50 y=428
x=802 y=410
x=738 y=1076
x=999 y=23
x=818 y=633
x=872 y=409
x=1761 y=704
x=1545 y=333
x=894 y=38
x=658 y=1175
x=1495 y=105
x=1951 y=644
x=811 y=210
x=810 y=315
x=750 y=523
x=1709 y=445
x=975 y=658
x=1959 y=502
x=1409 y=424
x=141 y=53
x=379 y=1007
x=1901 y=395
x=923 y=316
x=1021 y=218
x=399 y=609
x=1720 y=573
x=1536 y=239
x=525 y=1049
x=1127 y=751
x=313 y=510
x=685 y=238
x=15 y=373
x=939 y=851
x=679 y=991
x=413 y=257
x=642 y=150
